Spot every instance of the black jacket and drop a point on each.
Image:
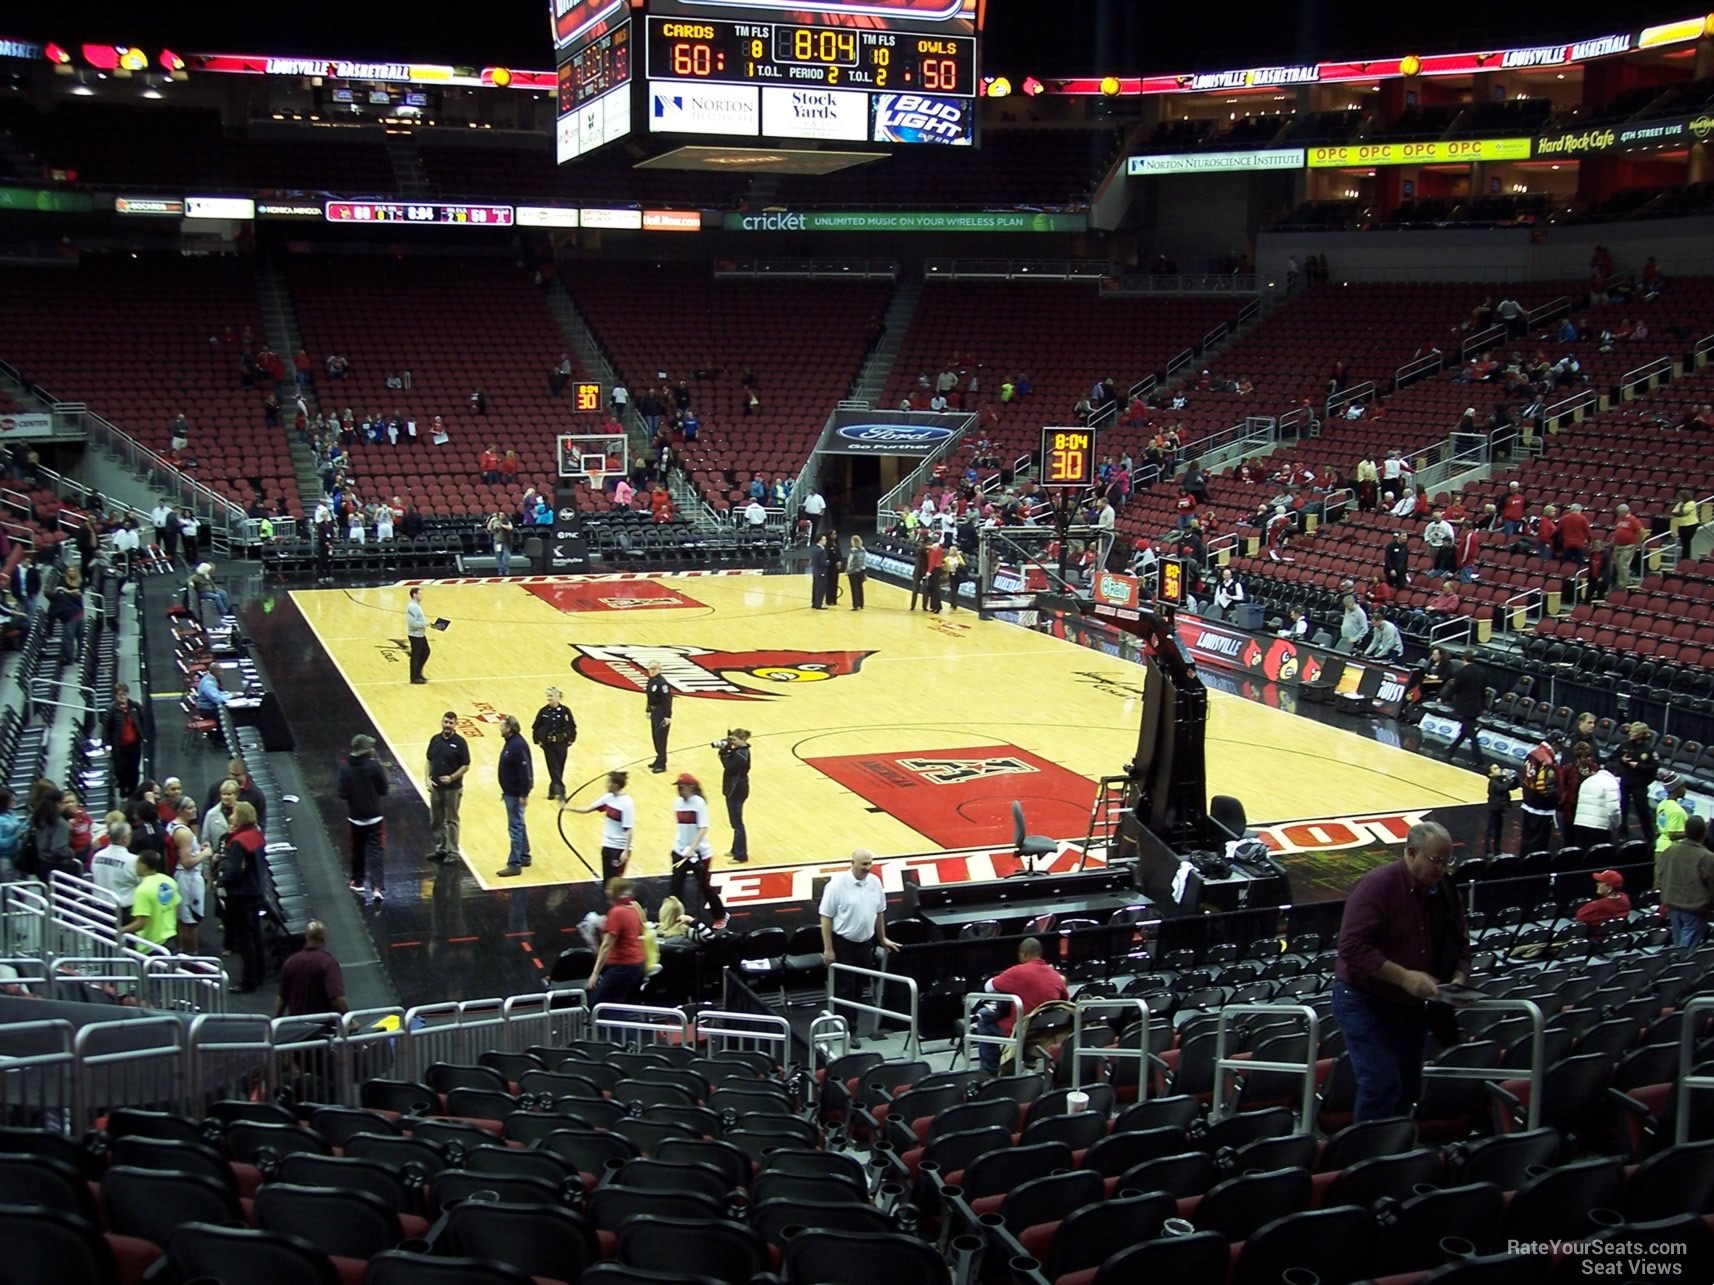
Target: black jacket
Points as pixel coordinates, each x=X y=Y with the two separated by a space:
x=554 y=725
x=1635 y=765
x=517 y=768
x=113 y=722
x=1466 y=692
x=362 y=782
x=658 y=698
x=241 y=869
x=735 y=770
x=1397 y=562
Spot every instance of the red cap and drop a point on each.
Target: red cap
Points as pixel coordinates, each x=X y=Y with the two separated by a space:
x=1610 y=877
x=685 y=778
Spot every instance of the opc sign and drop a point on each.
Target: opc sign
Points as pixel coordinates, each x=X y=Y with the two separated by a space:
x=1437 y=152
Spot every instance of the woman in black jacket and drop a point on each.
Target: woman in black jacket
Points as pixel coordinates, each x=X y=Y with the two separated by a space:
x=51 y=832
x=735 y=785
x=241 y=882
x=362 y=784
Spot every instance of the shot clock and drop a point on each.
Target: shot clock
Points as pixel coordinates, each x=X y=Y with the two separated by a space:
x=1068 y=457
x=1171 y=592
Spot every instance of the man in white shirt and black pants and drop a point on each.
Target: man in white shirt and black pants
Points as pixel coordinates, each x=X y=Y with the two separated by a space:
x=813 y=509
x=853 y=922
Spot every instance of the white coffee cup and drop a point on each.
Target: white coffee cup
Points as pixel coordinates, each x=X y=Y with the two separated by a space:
x=1076 y=1102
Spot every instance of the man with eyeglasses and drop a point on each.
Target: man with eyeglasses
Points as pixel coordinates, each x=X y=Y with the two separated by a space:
x=1402 y=937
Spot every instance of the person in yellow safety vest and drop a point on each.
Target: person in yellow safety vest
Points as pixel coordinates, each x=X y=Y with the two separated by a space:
x=1670 y=814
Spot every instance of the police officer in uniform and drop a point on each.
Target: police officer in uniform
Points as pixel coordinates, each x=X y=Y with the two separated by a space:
x=554 y=730
x=658 y=699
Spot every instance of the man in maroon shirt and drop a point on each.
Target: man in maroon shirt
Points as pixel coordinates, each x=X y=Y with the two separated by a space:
x=1610 y=901
x=1401 y=937
x=1628 y=536
x=1034 y=981
x=311 y=981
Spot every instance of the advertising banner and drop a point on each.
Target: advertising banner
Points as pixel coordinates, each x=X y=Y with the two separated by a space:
x=672 y=221
x=288 y=209
x=905 y=221
x=924 y=118
x=704 y=109
x=1676 y=131
x=1272 y=158
x=219 y=207
x=889 y=433
x=545 y=216
x=839 y=114
x=45 y=200
x=1283 y=660
x=1448 y=151
x=158 y=206
x=31 y=424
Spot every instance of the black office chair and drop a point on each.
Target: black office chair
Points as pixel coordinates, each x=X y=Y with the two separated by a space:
x=1029 y=845
x=1227 y=814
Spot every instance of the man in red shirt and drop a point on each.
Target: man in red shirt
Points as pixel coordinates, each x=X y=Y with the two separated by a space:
x=1628 y=536
x=1469 y=552
x=1034 y=981
x=618 y=974
x=1512 y=510
x=1574 y=535
x=931 y=579
x=1610 y=900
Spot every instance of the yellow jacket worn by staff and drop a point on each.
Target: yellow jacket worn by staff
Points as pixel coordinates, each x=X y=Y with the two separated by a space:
x=1669 y=818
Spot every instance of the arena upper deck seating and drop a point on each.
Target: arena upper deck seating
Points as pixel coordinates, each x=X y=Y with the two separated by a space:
x=456 y=325
x=138 y=341
x=679 y=320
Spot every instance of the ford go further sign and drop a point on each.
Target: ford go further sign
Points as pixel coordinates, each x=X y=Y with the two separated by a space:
x=868 y=438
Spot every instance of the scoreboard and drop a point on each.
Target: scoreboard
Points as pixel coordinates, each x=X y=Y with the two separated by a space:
x=594 y=83
x=863 y=71
x=585 y=397
x=1068 y=457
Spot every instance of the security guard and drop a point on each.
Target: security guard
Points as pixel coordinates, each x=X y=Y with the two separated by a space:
x=658 y=699
x=554 y=730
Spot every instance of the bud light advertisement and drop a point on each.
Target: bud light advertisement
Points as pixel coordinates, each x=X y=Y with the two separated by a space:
x=923 y=118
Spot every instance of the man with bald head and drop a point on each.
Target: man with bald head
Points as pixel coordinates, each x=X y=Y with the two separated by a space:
x=853 y=922
x=1401 y=937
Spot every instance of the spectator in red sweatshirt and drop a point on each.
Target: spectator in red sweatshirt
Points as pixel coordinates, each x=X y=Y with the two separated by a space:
x=1628 y=536
x=1610 y=900
x=1574 y=535
x=1512 y=510
x=1469 y=551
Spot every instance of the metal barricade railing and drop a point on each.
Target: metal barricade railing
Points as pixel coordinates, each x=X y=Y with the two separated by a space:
x=185 y=983
x=1687 y=1081
x=913 y=1044
x=229 y=1057
x=977 y=1000
x=371 y=1041
x=1224 y=1064
x=38 y=1076
x=1495 y=1074
x=640 y=1025
x=23 y=975
x=25 y=917
x=553 y=1018
x=722 y=1031
x=309 y=1060
x=118 y=978
x=1099 y=1004
x=435 y=1035
x=828 y=1032
x=139 y=1063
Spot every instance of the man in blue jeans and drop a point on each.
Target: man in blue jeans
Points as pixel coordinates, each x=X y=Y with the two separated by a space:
x=1401 y=937
x=1684 y=873
x=517 y=777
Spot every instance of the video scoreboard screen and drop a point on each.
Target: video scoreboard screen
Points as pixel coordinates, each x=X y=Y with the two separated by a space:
x=1068 y=457
x=863 y=71
x=594 y=75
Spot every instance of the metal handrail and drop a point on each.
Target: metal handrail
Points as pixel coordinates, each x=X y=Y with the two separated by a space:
x=913 y=1043
x=1482 y=339
x=1363 y=392
x=1550 y=415
x=1529 y=601
x=1644 y=373
x=1702 y=345
x=1417 y=367
x=1214 y=336
x=641 y=1018
x=1179 y=362
x=737 y=1030
x=1142 y=388
x=974 y=1000
x=1101 y=1003
x=1336 y=501
x=1495 y=1074
x=1547 y=312
x=1686 y=1058
x=1222 y=1063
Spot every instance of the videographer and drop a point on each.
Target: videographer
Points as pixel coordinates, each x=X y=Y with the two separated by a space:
x=735 y=785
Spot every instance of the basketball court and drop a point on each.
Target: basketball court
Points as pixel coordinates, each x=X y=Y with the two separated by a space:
x=886 y=729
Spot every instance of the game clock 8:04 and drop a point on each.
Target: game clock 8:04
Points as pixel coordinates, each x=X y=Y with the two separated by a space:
x=1068 y=457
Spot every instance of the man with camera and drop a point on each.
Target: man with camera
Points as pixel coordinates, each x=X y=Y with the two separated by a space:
x=734 y=753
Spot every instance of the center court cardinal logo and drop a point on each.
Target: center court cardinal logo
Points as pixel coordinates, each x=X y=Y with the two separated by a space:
x=698 y=671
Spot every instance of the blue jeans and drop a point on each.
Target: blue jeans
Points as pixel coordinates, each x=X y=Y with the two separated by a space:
x=1386 y=1042
x=618 y=984
x=1688 y=928
x=519 y=853
x=503 y=559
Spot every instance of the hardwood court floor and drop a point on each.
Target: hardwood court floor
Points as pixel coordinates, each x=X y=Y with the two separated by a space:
x=886 y=729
